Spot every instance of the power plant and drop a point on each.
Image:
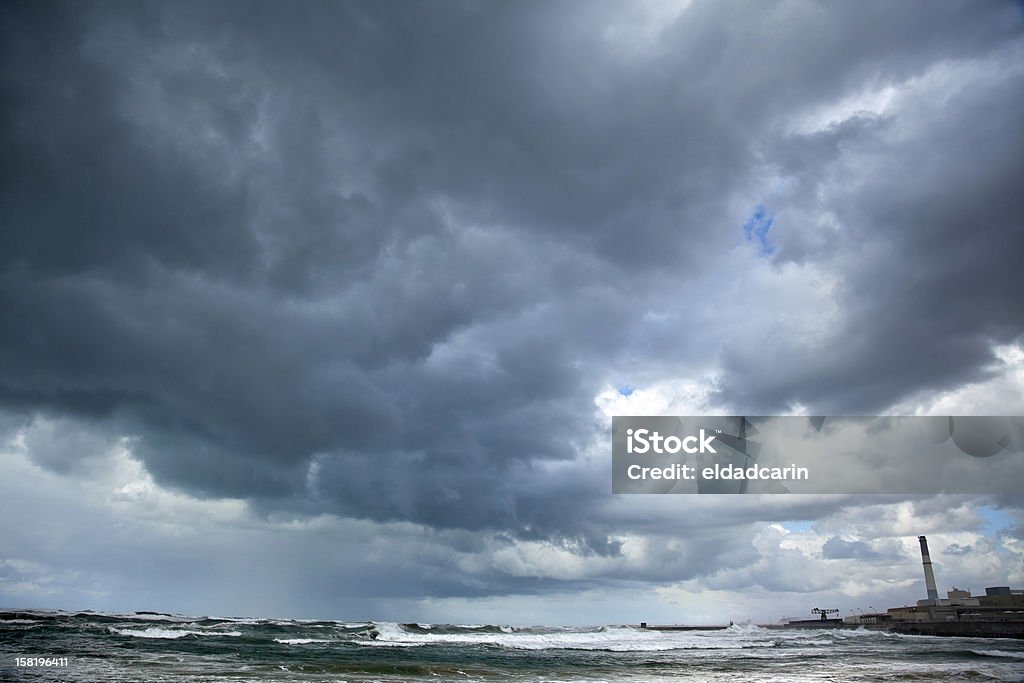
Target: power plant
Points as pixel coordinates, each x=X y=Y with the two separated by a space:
x=999 y=613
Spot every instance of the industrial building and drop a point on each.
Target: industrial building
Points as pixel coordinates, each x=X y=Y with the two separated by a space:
x=999 y=613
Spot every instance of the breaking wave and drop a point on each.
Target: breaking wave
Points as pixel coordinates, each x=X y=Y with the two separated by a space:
x=169 y=633
x=604 y=638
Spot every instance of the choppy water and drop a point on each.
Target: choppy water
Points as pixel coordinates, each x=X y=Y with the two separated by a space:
x=148 y=647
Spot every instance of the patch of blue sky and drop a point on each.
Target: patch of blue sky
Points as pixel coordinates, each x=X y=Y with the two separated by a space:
x=755 y=230
x=797 y=525
x=627 y=389
x=996 y=519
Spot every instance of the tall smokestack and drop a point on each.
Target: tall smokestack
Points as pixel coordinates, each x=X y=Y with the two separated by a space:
x=929 y=576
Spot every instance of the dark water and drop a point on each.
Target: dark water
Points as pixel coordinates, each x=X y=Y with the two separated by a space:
x=104 y=647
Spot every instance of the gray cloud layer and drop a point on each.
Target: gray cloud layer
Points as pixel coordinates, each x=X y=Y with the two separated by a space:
x=378 y=260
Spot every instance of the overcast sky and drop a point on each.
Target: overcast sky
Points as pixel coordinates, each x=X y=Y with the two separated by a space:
x=322 y=309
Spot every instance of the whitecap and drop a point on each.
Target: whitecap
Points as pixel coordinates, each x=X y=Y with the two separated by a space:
x=167 y=633
x=610 y=638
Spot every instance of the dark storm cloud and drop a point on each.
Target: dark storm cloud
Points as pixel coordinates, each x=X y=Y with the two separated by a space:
x=927 y=210
x=378 y=260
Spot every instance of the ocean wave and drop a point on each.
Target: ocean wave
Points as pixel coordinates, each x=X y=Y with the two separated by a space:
x=167 y=633
x=454 y=628
x=144 y=616
x=301 y=641
x=842 y=634
x=999 y=653
x=605 y=638
x=249 y=621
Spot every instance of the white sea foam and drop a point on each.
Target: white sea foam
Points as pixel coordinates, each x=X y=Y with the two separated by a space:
x=168 y=633
x=251 y=621
x=619 y=639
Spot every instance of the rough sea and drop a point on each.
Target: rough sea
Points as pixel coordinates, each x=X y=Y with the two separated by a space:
x=93 y=647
